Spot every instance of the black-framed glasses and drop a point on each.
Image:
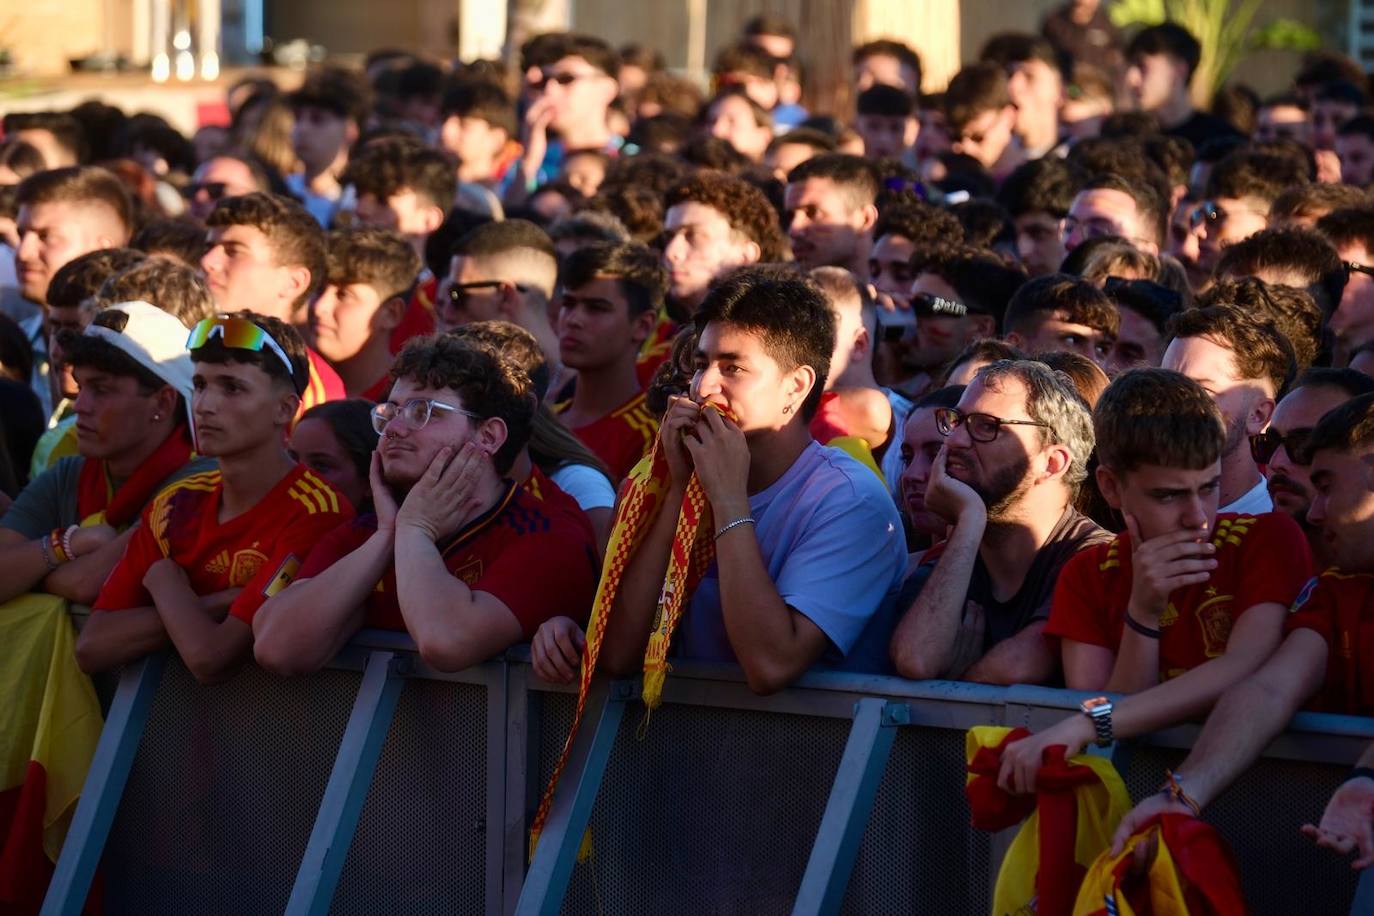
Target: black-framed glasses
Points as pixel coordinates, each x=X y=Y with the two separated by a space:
x=1296 y=442
x=1353 y=268
x=415 y=413
x=982 y=427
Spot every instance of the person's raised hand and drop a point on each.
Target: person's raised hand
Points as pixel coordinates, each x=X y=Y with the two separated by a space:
x=1137 y=817
x=1163 y=564
x=950 y=498
x=679 y=422
x=443 y=500
x=1347 y=824
x=720 y=455
x=383 y=501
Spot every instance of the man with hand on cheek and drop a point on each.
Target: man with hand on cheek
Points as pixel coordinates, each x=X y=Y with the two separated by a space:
x=809 y=550
x=1186 y=604
x=448 y=554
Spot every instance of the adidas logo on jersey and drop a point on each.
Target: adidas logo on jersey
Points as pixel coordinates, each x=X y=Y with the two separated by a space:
x=219 y=565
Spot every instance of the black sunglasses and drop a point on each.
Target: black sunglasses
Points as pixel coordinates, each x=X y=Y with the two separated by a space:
x=213 y=190
x=1352 y=268
x=562 y=79
x=458 y=292
x=1295 y=442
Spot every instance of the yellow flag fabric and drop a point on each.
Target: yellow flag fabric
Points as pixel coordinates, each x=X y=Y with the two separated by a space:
x=50 y=715
x=1068 y=823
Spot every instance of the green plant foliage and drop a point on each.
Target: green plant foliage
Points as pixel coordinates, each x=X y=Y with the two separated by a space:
x=1225 y=28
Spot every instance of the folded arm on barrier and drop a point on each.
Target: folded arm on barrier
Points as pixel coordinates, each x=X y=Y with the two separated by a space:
x=211 y=644
x=80 y=579
x=112 y=638
x=306 y=624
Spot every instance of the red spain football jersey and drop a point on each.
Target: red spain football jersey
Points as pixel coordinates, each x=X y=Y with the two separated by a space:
x=324 y=384
x=1260 y=559
x=535 y=554
x=620 y=438
x=258 y=551
x=1340 y=608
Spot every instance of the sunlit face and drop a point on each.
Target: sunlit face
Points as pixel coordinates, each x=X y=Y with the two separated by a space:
x=1213 y=366
x=998 y=471
x=344 y=319
x=787 y=156
x=585 y=173
x=986 y=136
x=314 y=444
x=733 y=370
x=731 y=119
x=921 y=443
x=237 y=407
x=53 y=233
x=407 y=453
x=1056 y=333
x=1229 y=221
x=1152 y=80
x=699 y=246
x=112 y=415
x=885 y=70
x=595 y=327
x=889 y=268
x=1184 y=243
x=217 y=179
x=1290 y=482
x=1343 y=507
x=580 y=98
x=1163 y=500
x=407 y=212
x=242 y=272
x=1098 y=212
x=826 y=225
x=1353 y=320
x=475 y=142
x=1036 y=89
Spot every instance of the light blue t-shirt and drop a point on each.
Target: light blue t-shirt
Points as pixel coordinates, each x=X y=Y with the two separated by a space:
x=833 y=545
x=892 y=457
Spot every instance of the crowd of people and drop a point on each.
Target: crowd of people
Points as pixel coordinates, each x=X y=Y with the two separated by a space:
x=1046 y=378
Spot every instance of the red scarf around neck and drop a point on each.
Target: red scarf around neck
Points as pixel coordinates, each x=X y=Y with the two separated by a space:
x=119 y=508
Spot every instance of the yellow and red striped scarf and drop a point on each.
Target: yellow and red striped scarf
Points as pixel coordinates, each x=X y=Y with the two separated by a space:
x=693 y=550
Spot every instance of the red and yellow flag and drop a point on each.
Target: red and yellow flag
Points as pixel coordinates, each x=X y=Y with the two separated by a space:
x=1068 y=822
x=49 y=725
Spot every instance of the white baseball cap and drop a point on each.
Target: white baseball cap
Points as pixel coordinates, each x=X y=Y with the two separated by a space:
x=152 y=338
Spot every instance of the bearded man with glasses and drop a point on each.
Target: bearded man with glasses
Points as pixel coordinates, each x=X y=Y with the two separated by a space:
x=1016 y=451
x=447 y=553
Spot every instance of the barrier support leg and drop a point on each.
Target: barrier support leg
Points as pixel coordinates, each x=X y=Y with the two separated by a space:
x=850 y=805
x=104 y=786
x=1364 y=894
x=546 y=883
x=342 y=804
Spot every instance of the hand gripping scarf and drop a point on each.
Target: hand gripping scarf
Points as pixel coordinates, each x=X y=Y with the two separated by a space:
x=693 y=550
x=98 y=503
x=1072 y=816
x=1192 y=874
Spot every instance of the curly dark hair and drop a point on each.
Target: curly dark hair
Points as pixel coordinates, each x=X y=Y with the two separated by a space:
x=1045 y=185
x=1080 y=301
x=744 y=207
x=170 y=285
x=379 y=258
x=1293 y=311
x=1260 y=349
x=635 y=267
x=388 y=165
x=80 y=278
x=920 y=223
x=488 y=384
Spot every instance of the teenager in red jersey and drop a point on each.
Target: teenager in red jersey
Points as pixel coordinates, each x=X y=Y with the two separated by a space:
x=368 y=274
x=1324 y=659
x=449 y=552
x=225 y=539
x=267 y=253
x=611 y=295
x=1184 y=604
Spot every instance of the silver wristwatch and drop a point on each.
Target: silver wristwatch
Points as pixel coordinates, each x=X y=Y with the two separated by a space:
x=1099 y=709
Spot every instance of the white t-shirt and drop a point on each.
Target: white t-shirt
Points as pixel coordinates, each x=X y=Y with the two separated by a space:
x=589 y=487
x=1256 y=501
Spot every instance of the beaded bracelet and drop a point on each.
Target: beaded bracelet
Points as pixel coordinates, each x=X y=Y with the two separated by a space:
x=67 y=540
x=46 y=551
x=746 y=520
x=59 y=552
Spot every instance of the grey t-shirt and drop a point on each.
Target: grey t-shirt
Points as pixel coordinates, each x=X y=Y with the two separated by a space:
x=49 y=501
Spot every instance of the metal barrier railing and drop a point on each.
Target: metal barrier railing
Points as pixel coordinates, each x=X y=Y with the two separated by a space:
x=382 y=786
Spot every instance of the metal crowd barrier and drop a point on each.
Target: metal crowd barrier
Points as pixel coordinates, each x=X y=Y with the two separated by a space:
x=379 y=786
